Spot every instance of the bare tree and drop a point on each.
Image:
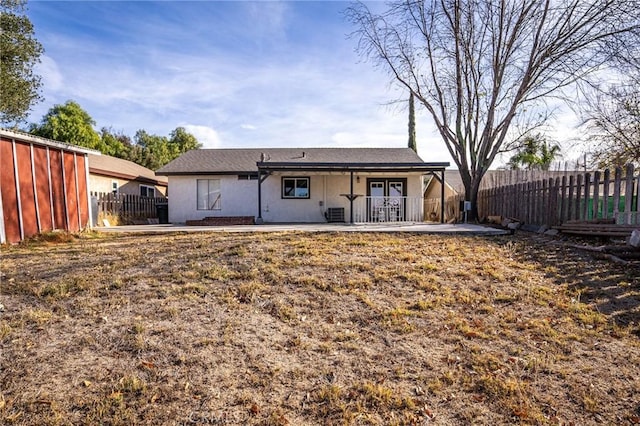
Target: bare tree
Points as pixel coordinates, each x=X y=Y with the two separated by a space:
x=480 y=67
x=612 y=115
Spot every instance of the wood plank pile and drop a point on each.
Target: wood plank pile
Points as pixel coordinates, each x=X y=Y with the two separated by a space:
x=597 y=228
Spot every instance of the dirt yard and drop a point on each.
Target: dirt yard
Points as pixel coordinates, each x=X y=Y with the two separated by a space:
x=308 y=329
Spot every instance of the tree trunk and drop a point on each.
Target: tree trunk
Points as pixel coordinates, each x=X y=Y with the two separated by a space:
x=412 y=124
x=471 y=189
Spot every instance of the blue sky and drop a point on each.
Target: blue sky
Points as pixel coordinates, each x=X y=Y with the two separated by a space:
x=235 y=74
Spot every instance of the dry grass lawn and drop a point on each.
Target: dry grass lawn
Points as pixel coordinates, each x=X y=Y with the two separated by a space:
x=306 y=329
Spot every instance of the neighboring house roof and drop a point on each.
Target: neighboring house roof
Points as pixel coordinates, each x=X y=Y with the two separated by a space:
x=106 y=165
x=37 y=140
x=225 y=161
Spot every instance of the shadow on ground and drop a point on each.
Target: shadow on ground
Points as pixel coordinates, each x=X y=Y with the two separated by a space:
x=612 y=288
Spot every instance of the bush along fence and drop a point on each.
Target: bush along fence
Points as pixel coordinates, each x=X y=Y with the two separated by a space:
x=125 y=207
x=608 y=196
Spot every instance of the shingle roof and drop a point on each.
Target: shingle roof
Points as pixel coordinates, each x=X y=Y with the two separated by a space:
x=106 y=165
x=245 y=160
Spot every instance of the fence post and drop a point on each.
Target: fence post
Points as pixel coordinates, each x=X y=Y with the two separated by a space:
x=539 y=202
x=544 y=197
x=605 y=195
x=563 y=199
x=587 y=192
x=578 y=197
x=553 y=202
x=596 y=194
x=638 y=200
x=628 y=194
x=617 y=180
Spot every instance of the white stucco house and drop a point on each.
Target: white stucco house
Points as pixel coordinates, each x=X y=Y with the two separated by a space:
x=298 y=185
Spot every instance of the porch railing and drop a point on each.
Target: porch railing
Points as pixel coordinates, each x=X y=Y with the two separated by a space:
x=387 y=209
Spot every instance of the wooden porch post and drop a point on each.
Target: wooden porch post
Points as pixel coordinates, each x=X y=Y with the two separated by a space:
x=259 y=220
x=351 y=201
x=442 y=199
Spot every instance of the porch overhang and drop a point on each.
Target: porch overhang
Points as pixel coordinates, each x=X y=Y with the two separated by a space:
x=266 y=168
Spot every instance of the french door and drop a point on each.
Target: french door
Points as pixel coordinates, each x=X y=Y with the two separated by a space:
x=386 y=199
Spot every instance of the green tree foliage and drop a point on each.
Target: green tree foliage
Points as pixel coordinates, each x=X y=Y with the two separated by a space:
x=69 y=123
x=115 y=144
x=19 y=53
x=534 y=154
x=182 y=141
x=412 y=124
x=72 y=124
x=154 y=151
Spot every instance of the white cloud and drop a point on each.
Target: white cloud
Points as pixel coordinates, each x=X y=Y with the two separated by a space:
x=248 y=126
x=51 y=77
x=207 y=136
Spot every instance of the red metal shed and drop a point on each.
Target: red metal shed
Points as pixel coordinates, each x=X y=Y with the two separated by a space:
x=43 y=186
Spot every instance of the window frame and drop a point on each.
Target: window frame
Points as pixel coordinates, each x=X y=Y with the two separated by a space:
x=115 y=187
x=217 y=204
x=147 y=187
x=250 y=176
x=296 y=179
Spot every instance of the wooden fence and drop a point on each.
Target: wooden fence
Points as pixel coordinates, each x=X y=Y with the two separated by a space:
x=127 y=206
x=588 y=196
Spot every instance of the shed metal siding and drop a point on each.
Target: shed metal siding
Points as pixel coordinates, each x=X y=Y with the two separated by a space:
x=9 y=192
x=43 y=187
x=41 y=172
x=83 y=191
x=27 y=194
x=57 y=189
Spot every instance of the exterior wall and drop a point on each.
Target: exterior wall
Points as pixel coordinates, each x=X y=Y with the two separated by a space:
x=237 y=198
x=100 y=183
x=434 y=188
x=41 y=188
x=240 y=197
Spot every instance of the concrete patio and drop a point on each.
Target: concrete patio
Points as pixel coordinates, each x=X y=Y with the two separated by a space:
x=420 y=228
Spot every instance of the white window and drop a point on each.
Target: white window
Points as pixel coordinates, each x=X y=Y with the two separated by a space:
x=295 y=187
x=114 y=186
x=147 y=191
x=248 y=177
x=209 y=194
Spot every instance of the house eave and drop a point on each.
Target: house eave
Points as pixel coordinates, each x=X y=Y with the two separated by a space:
x=208 y=172
x=118 y=175
x=352 y=167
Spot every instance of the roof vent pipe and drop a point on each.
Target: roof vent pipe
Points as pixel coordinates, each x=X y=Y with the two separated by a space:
x=262 y=157
x=304 y=154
